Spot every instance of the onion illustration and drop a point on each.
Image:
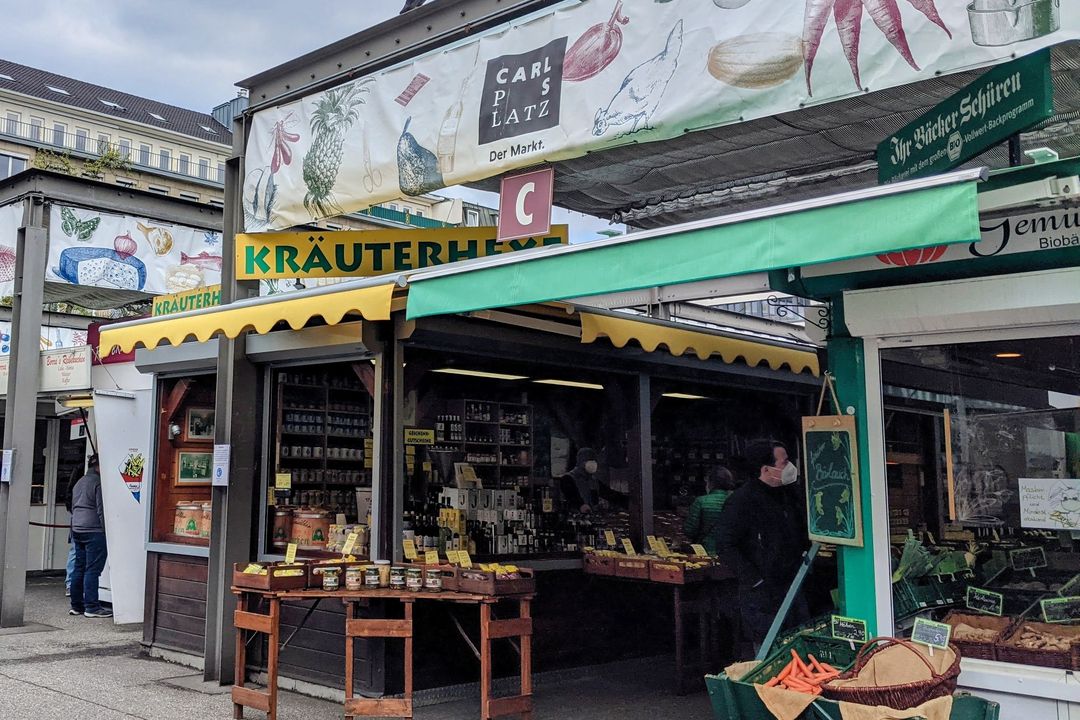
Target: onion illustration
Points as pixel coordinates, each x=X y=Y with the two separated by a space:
x=125 y=246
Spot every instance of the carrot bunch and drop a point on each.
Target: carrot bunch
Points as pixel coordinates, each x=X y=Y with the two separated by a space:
x=804 y=676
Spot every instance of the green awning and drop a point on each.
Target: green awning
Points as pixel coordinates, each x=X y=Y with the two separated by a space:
x=938 y=211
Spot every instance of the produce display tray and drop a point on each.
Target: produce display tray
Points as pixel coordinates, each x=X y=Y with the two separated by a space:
x=636 y=568
x=1009 y=651
x=279 y=576
x=484 y=582
x=599 y=565
x=675 y=573
x=982 y=650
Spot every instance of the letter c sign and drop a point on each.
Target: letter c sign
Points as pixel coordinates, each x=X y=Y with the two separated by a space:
x=525 y=205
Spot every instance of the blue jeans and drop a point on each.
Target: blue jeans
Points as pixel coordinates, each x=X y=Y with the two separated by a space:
x=70 y=562
x=90 y=554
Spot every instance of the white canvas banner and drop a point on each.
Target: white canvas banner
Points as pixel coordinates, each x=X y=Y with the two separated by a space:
x=122 y=252
x=122 y=431
x=595 y=74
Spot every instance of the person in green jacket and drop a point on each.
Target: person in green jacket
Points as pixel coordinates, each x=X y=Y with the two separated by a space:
x=703 y=523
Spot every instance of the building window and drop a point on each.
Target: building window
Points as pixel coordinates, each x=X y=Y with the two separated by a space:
x=102 y=143
x=158 y=189
x=472 y=218
x=59 y=134
x=204 y=168
x=221 y=172
x=144 y=154
x=81 y=137
x=36 y=125
x=189 y=196
x=185 y=164
x=11 y=127
x=394 y=207
x=9 y=165
x=163 y=159
x=125 y=148
x=419 y=213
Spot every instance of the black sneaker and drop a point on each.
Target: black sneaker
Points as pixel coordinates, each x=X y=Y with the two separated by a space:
x=102 y=613
x=73 y=611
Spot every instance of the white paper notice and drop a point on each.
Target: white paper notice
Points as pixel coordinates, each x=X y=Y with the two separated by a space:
x=5 y=469
x=221 y=465
x=1050 y=503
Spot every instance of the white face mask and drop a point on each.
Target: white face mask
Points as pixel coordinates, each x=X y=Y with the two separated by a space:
x=590 y=467
x=790 y=474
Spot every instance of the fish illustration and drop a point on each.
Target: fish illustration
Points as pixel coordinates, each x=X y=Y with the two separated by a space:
x=642 y=89
x=204 y=260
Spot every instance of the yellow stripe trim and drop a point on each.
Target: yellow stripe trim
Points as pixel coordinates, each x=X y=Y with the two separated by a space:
x=373 y=303
x=620 y=331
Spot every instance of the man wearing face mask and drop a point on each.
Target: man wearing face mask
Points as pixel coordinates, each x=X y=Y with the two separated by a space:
x=579 y=487
x=789 y=471
x=760 y=533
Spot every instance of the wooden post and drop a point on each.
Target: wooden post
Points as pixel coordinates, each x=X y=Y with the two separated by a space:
x=679 y=658
x=409 y=656
x=525 y=611
x=350 y=646
x=239 y=674
x=485 y=661
x=272 y=656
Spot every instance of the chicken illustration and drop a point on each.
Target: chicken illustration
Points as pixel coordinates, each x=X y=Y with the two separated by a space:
x=642 y=89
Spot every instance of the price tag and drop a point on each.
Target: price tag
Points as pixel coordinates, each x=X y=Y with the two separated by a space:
x=662 y=548
x=453 y=557
x=847 y=628
x=984 y=601
x=609 y=538
x=699 y=550
x=628 y=547
x=1027 y=558
x=651 y=540
x=548 y=505
x=931 y=634
x=350 y=543
x=410 y=549
x=290 y=554
x=1061 y=610
x=431 y=557
x=463 y=556
x=283 y=481
x=253 y=569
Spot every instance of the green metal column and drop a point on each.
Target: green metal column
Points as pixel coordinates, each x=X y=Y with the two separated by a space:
x=847 y=361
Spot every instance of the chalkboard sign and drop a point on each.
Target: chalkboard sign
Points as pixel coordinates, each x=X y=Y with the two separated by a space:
x=984 y=601
x=845 y=628
x=1027 y=558
x=932 y=634
x=1061 y=610
x=1070 y=588
x=833 y=504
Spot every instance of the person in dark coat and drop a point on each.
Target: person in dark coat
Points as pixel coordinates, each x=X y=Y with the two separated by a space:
x=580 y=487
x=760 y=532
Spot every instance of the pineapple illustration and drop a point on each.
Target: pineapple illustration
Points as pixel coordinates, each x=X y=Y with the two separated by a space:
x=335 y=113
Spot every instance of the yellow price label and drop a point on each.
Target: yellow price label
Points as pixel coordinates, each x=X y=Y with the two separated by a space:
x=350 y=543
x=431 y=557
x=410 y=549
x=609 y=538
x=548 y=505
x=628 y=546
x=662 y=548
x=466 y=561
x=453 y=557
x=283 y=481
x=651 y=540
x=253 y=569
x=290 y=554
x=699 y=550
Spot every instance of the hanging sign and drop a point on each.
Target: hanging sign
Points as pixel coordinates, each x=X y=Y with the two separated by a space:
x=1061 y=610
x=1049 y=503
x=525 y=204
x=364 y=253
x=1027 y=558
x=580 y=77
x=1004 y=101
x=833 y=504
x=932 y=634
x=419 y=436
x=196 y=299
x=984 y=601
x=846 y=628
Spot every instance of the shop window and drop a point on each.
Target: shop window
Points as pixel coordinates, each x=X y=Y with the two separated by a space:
x=185 y=445
x=322 y=449
x=983 y=472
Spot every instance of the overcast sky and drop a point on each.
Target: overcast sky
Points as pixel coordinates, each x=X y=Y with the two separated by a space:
x=192 y=52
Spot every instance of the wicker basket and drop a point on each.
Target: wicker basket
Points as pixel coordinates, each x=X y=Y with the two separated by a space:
x=898 y=697
x=1009 y=651
x=982 y=650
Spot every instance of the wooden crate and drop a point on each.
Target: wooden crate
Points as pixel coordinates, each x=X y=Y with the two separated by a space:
x=599 y=564
x=675 y=573
x=636 y=568
x=977 y=649
x=1009 y=651
x=279 y=576
x=485 y=582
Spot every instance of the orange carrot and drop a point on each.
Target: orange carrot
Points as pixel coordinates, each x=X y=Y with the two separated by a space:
x=798 y=662
x=795 y=684
x=829 y=668
x=773 y=683
x=815 y=663
x=786 y=671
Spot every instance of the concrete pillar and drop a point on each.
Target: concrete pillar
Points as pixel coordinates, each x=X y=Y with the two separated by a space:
x=641 y=457
x=21 y=409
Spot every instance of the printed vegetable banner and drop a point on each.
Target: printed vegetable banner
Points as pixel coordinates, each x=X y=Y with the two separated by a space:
x=596 y=74
x=127 y=253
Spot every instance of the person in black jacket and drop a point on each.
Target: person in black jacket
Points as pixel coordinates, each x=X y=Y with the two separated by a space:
x=760 y=531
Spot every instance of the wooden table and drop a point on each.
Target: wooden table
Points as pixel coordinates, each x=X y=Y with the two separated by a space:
x=269 y=623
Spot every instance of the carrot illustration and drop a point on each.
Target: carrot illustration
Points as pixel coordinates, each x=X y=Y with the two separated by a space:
x=814 y=21
x=927 y=8
x=848 y=14
x=886 y=15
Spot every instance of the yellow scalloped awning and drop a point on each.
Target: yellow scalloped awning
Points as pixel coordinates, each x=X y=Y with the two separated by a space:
x=678 y=342
x=373 y=303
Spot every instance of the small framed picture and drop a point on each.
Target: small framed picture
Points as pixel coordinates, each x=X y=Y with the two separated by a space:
x=200 y=424
x=194 y=468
